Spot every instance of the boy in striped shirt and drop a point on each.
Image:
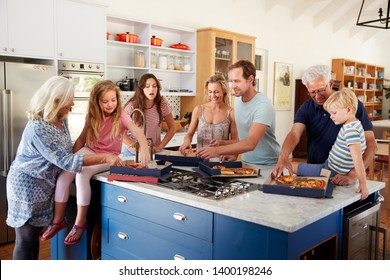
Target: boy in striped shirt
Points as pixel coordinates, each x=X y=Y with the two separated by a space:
x=347 y=151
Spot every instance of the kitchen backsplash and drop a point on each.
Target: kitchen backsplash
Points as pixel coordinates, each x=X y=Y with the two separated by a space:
x=174 y=102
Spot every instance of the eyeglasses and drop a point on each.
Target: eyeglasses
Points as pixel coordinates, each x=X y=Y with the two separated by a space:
x=318 y=91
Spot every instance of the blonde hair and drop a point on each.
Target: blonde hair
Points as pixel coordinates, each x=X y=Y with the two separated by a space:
x=218 y=79
x=53 y=95
x=95 y=113
x=342 y=99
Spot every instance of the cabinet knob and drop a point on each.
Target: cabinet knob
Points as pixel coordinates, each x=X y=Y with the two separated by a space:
x=5 y=49
x=179 y=217
x=60 y=54
x=178 y=257
x=123 y=235
x=12 y=50
x=122 y=199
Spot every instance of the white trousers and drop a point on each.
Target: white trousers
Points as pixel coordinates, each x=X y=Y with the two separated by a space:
x=83 y=186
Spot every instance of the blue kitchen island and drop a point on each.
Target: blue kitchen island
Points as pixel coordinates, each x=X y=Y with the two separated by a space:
x=146 y=221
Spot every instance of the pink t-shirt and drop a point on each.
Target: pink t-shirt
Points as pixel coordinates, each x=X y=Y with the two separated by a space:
x=106 y=144
x=153 y=125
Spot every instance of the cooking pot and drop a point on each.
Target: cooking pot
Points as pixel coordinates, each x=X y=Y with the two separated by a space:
x=156 y=41
x=126 y=84
x=128 y=38
x=180 y=46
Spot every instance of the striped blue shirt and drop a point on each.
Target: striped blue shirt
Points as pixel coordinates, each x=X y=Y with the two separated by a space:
x=340 y=159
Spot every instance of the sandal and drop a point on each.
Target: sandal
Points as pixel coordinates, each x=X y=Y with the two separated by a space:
x=53 y=229
x=73 y=232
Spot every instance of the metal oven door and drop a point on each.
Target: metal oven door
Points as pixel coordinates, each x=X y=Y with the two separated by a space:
x=83 y=82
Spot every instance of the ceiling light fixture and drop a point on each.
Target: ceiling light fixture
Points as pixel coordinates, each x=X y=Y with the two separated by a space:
x=381 y=22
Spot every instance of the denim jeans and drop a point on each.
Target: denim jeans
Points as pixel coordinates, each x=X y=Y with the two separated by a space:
x=27 y=242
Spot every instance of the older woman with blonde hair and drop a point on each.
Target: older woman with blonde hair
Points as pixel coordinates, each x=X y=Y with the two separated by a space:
x=44 y=151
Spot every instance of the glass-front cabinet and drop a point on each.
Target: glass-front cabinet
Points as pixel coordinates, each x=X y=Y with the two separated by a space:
x=135 y=48
x=216 y=50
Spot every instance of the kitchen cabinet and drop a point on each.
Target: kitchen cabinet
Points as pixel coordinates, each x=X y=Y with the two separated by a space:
x=27 y=28
x=216 y=50
x=81 y=29
x=122 y=56
x=147 y=221
x=366 y=80
x=140 y=226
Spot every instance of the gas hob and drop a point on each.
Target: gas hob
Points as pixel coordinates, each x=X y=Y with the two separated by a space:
x=205 y=186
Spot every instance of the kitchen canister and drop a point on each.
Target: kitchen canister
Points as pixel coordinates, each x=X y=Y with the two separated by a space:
x=187 y=63
x=139 y=58
x=162 y=61
x=153 y=60
x=171 y=62
x=179 y=63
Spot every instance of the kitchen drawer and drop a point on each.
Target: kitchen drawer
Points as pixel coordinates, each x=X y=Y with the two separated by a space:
x=187 y=219
x=128 y=237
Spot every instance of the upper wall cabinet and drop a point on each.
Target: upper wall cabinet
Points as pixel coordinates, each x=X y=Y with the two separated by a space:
x=217 y=49
x=81 y=31
x=27 y=28
x=147 y=48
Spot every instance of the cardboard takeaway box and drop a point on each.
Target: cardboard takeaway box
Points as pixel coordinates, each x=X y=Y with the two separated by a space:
x=177 y=158
x=148 y=175
x=272 y=186
x=207 y=167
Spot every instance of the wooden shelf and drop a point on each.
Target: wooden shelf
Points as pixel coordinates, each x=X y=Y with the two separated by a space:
x=364 y=79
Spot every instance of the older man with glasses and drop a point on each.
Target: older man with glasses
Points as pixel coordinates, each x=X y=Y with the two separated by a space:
x=321 y=132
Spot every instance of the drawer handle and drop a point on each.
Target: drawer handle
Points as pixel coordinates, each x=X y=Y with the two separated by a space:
x=122 y=199
x=179 y=217
x=178 y=257
x=364 y=226
x=123 y=235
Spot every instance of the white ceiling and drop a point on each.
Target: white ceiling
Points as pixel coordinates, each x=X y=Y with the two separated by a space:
x=339 y=13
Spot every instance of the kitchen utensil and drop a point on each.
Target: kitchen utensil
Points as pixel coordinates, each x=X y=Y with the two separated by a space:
x=124 y=84
x=178 y=126
x=180 y=46
x=128 y=38
x=107 y=35
x=156 y=41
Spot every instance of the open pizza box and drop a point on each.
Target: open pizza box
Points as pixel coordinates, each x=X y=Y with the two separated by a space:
x=177 y=158
x=271 y=185
x=134 y=172
x=229 y=169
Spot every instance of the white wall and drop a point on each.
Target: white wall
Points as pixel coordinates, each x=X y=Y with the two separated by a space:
x=291 y=41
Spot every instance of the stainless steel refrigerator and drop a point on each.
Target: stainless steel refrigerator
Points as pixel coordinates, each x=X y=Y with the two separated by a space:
x=18 y=82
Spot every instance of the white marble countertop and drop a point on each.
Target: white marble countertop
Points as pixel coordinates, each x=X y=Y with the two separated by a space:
x=282 y=212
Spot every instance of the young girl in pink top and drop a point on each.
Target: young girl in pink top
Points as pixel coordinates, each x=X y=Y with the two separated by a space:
x=105 y=125
x=148 y=99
